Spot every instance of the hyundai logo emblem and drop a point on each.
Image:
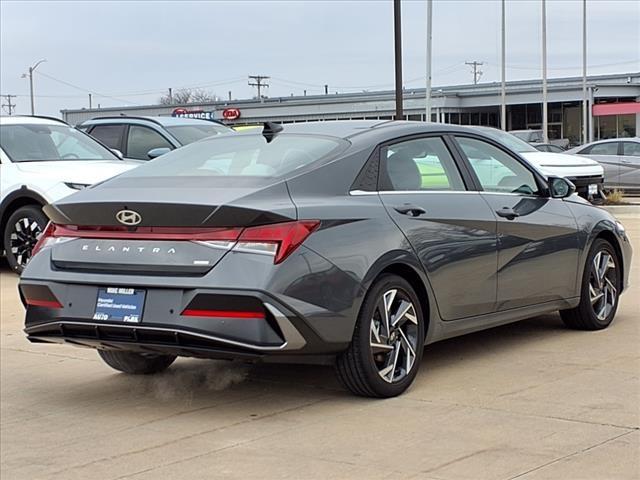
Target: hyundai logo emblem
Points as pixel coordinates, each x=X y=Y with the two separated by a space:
x=128 y=217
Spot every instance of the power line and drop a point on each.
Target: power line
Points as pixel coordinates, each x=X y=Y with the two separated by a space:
x=64 y=82
x=477 y=73
x=9 y=106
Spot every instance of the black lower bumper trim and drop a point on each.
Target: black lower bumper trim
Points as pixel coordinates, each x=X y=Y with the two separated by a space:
x=140 y=338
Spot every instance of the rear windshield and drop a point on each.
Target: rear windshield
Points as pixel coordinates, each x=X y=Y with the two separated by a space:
x=39 y=143
x=241 y=156
x=187 y=134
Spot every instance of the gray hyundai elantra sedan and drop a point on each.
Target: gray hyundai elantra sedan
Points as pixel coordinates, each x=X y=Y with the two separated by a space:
x=355 y=243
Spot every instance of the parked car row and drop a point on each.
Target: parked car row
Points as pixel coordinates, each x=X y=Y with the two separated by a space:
x=45 y=159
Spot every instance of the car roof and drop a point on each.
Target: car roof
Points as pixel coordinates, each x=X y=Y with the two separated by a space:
x=30 y=120
x=610 y=140
x=162 y=121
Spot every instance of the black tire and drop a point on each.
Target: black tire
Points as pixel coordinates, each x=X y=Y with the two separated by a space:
x=21 y=233
x=136 y=363
x=585 y=315
x=359 y=368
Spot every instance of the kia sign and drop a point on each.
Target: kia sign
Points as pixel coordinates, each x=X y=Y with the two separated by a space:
x=231 y=113
x=185 y=113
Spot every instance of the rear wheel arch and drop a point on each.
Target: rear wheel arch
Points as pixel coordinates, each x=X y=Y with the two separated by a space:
x=411 y=275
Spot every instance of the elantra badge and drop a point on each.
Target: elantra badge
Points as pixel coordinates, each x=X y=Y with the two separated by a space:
x=128 y=217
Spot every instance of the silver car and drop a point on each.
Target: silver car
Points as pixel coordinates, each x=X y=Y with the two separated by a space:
x=620 y=158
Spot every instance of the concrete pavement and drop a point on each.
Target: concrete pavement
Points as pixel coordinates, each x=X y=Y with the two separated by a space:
x=531 y=400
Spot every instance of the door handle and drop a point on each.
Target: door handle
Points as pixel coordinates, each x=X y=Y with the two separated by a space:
x=508 y=213
x=409 y=209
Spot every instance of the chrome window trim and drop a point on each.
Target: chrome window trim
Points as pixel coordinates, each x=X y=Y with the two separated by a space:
x=356 y=193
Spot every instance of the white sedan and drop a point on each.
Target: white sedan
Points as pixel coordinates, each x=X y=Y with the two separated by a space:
x=620 y=158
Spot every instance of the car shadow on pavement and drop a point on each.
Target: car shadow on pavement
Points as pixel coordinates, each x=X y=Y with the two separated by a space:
x=192 y=384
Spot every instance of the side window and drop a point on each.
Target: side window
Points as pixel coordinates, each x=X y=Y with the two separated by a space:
x=496 y=170
x=631 y=149
x=110 y=135
x=421 y=164
x=608 y=148
x=143 y=139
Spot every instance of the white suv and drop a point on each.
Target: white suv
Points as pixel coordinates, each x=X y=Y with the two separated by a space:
x=42 y=160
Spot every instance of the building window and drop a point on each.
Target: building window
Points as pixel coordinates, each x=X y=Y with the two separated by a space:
x=616 y=126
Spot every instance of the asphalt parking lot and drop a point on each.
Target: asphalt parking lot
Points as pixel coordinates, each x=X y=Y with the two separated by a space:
x=530 y=400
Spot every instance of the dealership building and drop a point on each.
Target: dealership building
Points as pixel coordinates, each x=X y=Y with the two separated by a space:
x=614 y=107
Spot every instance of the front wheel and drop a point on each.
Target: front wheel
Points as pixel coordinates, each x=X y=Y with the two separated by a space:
x=136 y=363
x=601 y=285
x=21 y=234
x=385 y=352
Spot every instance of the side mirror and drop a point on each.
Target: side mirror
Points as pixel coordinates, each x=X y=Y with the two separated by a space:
x=560 y=187
x=156 y=152
x=117 y=153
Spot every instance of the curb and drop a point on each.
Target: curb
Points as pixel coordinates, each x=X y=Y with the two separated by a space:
x=622 y=209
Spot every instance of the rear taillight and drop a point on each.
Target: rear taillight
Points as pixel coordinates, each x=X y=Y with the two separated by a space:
x=47 y=234
x=278 y=240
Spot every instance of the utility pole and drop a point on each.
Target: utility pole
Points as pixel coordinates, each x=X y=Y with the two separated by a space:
x=89 y=101
x=30 y=76
x=326 y=89
x=427 y=94
x=170 y=96
x=397 y=29
x=503 y=87
x=229 y=95
x=545 y=113
x=477 y=73
x=259 y=82
x=9 y=105
x=585 y=100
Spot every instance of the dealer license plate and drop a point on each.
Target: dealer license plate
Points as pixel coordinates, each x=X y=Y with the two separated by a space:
x=119 y=304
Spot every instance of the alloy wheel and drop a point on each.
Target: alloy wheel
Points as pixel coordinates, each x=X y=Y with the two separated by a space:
x=603 y=291
x=394 y=335
x=23 y=238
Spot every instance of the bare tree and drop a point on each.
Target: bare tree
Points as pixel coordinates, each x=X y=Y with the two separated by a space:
x=188 y=95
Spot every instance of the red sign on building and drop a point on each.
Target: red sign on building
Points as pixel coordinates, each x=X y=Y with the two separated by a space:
x=231 y=113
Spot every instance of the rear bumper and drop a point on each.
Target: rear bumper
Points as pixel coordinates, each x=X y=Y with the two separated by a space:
x=281 y=334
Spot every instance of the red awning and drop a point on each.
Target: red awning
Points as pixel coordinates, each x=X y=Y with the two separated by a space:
x=616 y=108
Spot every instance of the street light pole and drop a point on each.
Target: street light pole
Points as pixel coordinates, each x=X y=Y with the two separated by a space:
x=503 y=88
x=427 y=117
x=545 y=114
x=585 y=120
x=30 y=75
x=397 y=24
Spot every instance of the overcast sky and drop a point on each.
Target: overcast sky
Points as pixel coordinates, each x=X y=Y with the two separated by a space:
x=129 y=53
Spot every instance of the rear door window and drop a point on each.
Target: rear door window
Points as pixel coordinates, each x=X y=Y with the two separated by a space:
x=631 y=149
x=110 y=135
x=143 y=139
x=421 y=164
x=608 y=148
